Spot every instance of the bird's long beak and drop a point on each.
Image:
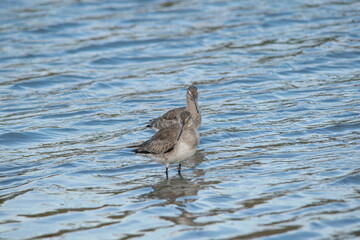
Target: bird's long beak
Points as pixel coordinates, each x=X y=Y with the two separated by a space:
x=182 y=127
x=196 y=105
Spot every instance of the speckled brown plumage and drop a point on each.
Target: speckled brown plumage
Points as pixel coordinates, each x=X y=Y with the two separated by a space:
x=173 y=116
x=172 y=144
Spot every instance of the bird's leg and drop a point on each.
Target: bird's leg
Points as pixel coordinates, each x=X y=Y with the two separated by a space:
x=167 y=175
x=179 y=170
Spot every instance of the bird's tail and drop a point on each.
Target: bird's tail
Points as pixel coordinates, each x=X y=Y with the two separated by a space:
x=133 y=146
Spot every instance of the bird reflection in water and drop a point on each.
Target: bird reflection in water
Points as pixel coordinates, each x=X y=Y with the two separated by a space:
x=180 y=191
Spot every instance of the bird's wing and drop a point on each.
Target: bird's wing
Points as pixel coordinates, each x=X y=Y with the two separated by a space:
x=163 y=141
x=173 y=114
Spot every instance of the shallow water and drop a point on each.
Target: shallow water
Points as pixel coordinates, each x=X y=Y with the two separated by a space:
x=279 y=156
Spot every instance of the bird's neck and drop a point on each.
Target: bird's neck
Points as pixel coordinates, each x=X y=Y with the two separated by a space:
x=191 y=106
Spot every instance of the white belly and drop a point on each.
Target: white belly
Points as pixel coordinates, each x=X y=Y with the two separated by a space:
x=182 y=152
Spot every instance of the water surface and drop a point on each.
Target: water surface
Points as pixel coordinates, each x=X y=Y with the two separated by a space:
x=279 y=156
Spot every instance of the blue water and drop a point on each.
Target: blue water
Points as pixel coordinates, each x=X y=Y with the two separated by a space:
x=279 y=91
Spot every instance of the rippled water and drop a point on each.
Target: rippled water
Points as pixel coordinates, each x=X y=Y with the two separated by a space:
x=279 y=85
